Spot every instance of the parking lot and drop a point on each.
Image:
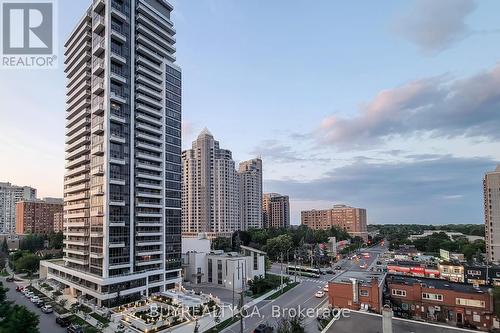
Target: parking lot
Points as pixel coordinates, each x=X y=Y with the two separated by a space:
x=47 y=321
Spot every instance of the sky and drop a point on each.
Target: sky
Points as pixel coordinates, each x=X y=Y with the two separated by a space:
x=393 y=106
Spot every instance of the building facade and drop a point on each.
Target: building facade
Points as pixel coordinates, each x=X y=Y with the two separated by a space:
x=230 y=270
x=58 y=222
x=123 y=154
x=276 y=211
x=217 y=199
x=37 y=216
x=9 y=196
x=441 y=301
x=491 y=190
x=357 y=291
x=250 y=178
x=352 y=220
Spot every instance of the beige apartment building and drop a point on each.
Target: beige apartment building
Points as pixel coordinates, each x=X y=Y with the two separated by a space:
x=276 y=211
x=352 y=220
x=250 y=177
x=37 y=216
x=491 y=185
x=210 y=188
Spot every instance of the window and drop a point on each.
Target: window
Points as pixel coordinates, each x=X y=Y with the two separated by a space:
x=470 y=302
x=432 y=297
x=363 y=293
x=209 y=270
x=398 y=292
x=255 y=261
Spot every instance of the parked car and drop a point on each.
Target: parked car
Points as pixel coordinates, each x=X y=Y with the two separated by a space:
x=325 y=288
x=47 y=309
x=19 y=288
x=35 y=299
x=319 y=294
x=329 y=271
x=29 y=294
x=263 y=328
x=39 y=304
x=338 y=268
x=63 y=321
x=9 y=279
x=73 y=328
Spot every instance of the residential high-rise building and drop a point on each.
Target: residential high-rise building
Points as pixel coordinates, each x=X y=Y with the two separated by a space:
x=250 y=178
x=352 y=220
x=276 y=211
x=491 y=186
x=9 y=196
x=210 y=189
x=58 y=222
x=37 y=216
x=122 y=212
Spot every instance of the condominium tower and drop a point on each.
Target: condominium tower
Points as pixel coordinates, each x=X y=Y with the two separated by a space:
x=250 y=178
x=352 y=220
x=123 y=154
x=216 y=199
x=9 y=196
x=276 y=211
x=491 y=186
x=210 y=189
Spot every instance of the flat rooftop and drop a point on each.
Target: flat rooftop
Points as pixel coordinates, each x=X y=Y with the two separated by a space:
x=436 y=284
x=361 y=276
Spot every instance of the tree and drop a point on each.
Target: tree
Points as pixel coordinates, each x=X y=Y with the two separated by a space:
x=5 y=247
x=56 y=240
x=222 y=243
x=278 y=245
x=32 y=243
x=19 y=319
x=28 y=262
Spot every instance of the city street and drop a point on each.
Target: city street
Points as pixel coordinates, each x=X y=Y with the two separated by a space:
x=303 y=294
x=47 y=321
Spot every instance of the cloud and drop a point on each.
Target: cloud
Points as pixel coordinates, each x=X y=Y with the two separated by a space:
x=444 y=189
x=439 y=106
x=434 y=25
x=276 y=151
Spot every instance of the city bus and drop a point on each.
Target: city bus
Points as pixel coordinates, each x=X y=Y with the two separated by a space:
x=303 y=271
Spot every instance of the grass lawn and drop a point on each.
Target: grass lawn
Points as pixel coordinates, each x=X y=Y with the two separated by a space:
x=100 y=318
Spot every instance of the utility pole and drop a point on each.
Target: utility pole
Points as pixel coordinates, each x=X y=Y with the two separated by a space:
x=241 y=312
x=295 y=257
x=281 y=271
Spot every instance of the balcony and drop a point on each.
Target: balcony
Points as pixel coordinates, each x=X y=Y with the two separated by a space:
x=97 y=171
x=118 y=77
x=98 y=5
x=98 y=129
x=113 y=245
x=98 y=107
x=98 y=66
x=78 y=161
x=148 y=146
x=118 y=35
x=98 y=87
x=76 y=188
x=99 y=47
x=77 y=171
x=117 y=97
x=116 y=137
x=97 y=149
x=76 y=180
x=118 y=57
x=97 y=191
x=117 y=181
x=98 y=24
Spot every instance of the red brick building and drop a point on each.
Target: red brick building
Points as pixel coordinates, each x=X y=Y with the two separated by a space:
x=357 y=291
x=36 y=216
x=352 y=220
x=442 y=301
x=58 y=222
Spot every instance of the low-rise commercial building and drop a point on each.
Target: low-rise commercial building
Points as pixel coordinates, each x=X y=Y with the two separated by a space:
x=357 y=291
x=476 y=275
x=451 y=271
x=413 y=268
x=441 y=301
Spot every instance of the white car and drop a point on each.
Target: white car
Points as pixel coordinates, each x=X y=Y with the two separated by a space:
x=35 y=299
x=29 y=294
x=47 y=309
x=325 y=288
x=319 y=294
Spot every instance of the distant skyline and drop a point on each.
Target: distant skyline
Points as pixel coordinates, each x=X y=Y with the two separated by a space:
x=390 y=106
